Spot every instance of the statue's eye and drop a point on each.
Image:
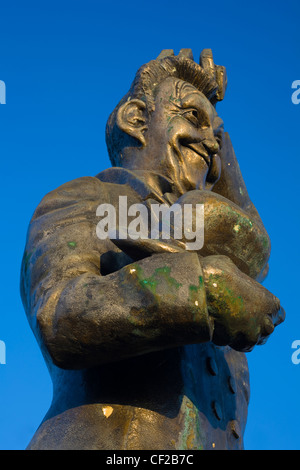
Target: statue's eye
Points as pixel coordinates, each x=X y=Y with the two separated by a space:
x=193 y=116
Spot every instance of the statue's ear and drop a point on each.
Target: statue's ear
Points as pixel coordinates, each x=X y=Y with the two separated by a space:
x=131 y=119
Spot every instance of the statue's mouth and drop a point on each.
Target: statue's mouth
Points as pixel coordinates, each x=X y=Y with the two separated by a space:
x=199 y=150
x=212 y=161
x=196 y=150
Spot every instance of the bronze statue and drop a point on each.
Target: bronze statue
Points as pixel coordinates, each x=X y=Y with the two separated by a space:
x=145 y=340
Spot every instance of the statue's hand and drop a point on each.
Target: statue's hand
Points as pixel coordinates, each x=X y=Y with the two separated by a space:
x=244 y=312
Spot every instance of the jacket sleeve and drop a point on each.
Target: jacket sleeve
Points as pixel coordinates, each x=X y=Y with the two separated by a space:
x=82 y=318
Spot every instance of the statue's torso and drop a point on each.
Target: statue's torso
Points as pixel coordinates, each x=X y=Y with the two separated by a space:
x=194 y=397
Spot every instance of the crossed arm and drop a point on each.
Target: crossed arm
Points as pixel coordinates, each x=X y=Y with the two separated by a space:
x=82 y=318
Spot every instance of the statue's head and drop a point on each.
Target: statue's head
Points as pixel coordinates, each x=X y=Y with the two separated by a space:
x=167 y=122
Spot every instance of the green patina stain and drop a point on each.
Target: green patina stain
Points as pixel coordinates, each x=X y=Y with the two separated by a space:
x=265 y=242
x=150 y=282
x=222 y=298
x=169 y=120
x=240 y=219
x=195 y=290
x=172 y=99
x=160 y=274
x=190 y=436
x=139 y=316
x=197 y=298
x=72 y=245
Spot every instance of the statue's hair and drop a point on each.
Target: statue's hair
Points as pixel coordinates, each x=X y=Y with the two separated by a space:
x=145 y=87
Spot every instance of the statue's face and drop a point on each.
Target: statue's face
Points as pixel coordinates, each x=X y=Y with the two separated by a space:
x=181 y=135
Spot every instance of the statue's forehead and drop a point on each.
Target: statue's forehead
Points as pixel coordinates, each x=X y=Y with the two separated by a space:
x=177 y=91
x=180 y=87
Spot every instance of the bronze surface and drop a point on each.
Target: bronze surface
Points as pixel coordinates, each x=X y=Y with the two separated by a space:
x=145 y=341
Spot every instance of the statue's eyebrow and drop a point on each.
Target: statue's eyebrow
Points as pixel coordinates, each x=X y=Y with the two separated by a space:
x=180 y=86
x=186 y=87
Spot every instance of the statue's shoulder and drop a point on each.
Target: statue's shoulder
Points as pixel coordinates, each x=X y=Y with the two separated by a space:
x=82 y=196
x=76 y=192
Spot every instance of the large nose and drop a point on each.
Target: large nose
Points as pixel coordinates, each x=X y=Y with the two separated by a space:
x=211 y=145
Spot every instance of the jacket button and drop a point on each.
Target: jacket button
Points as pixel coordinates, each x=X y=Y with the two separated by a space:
x=212 y=366
x=232 y=384
x=217 y=410
x=235 y=429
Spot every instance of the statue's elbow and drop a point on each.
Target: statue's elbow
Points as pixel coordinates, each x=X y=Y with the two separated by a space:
x=57 y=344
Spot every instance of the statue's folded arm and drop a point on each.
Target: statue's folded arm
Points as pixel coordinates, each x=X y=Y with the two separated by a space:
x=84 y=318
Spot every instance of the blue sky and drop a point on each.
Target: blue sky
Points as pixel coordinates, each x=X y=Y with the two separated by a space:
x=66 y=64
